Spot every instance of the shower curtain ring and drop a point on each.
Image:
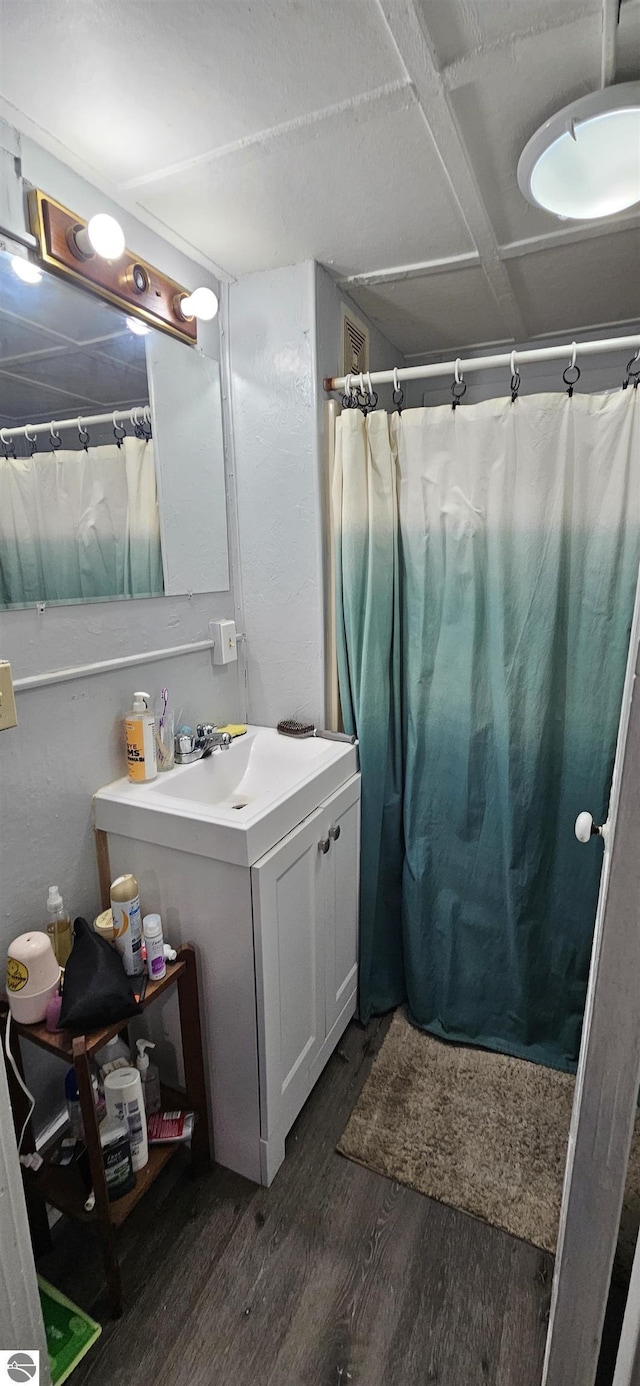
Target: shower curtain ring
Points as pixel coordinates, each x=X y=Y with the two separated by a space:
x=372 y=398
x=459 y=387
x=398 y=392
x=362 y=402
x=32 y=441
x=346 y=398
x=8 y=445
x=571 y=374
x=515 y=376
x=631 y=374
x=119 y=430
x=83 y=434
x=55 y=441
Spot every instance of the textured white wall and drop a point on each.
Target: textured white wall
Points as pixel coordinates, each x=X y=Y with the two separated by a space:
x=271 y=329
x=285 y=330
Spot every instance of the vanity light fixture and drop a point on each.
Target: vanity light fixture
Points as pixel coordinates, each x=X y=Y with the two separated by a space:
x=93 y=254
x=102 y=236
x=135 y=325
x=585 y=161
x=201 y=304
x=28 y=273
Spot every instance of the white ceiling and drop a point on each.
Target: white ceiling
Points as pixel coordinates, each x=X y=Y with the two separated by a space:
x=380 y=137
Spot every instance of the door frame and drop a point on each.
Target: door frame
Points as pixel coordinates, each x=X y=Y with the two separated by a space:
x=608 y=1076
x=21 y=1323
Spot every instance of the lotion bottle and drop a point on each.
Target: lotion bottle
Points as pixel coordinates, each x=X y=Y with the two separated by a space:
x=149 y=1077
x=141 y=745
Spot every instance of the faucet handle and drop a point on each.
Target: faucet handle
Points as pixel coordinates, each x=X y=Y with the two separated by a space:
x=183 y=743
x=204 y=729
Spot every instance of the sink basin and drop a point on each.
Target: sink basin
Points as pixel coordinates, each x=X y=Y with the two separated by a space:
x=235 y=804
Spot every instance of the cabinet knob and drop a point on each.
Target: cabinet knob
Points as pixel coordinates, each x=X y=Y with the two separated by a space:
x=335 y=832
x=324 y=845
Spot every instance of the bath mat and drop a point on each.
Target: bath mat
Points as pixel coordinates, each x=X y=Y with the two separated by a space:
x=70 y=1332
x=480 y=1131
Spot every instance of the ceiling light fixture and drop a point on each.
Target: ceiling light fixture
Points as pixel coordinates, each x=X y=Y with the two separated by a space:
x=28 y=273
x=585 y=161
x=102 y=236
x=135 y=325
x=201 y=304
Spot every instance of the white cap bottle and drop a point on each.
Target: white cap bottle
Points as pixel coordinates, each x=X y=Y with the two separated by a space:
x=154 y=943
x=140 y=729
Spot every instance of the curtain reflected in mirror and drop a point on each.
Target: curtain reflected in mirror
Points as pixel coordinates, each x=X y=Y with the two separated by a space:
x=80 y=526
x=79 y=515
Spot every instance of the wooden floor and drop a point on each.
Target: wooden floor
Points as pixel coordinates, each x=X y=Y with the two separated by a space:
x=332 y=1276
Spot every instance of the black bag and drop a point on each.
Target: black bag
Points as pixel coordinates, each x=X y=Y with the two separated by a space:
x=96 y=989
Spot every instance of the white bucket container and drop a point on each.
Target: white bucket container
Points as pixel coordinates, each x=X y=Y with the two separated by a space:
x=33 y=976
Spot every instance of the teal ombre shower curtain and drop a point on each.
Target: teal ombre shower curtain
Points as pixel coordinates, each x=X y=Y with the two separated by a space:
x=487 y=566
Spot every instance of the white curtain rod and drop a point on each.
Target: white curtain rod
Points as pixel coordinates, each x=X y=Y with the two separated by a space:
x=142 y=414
x=509 y=359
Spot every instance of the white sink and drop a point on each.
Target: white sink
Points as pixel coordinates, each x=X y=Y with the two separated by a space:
x=235 y=804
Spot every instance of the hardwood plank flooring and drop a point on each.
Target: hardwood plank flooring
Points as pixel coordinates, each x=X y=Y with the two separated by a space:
x=334 y=1276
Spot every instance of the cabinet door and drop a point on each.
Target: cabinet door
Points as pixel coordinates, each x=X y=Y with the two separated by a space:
x=288 y=886
x=341 y=819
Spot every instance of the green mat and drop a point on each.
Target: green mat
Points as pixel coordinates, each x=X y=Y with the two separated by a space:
x=70 y=1332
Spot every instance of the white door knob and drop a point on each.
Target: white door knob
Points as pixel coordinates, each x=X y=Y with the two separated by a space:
x=585 y=827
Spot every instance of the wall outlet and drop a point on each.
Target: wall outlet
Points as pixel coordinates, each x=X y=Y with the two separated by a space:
x=223 y=634
x=8 y=716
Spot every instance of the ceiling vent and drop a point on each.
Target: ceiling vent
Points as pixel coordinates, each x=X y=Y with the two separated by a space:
x=354 y=347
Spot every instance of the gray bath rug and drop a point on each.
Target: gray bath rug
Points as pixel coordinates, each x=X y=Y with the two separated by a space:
x=479 y=1131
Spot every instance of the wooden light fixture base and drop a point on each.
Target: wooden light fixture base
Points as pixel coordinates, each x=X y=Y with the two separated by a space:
x=129 y=282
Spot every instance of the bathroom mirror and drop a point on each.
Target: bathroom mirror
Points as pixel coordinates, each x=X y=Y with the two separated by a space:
x=88 y=510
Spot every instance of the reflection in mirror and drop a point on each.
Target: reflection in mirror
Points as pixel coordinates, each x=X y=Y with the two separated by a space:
x=78 y=500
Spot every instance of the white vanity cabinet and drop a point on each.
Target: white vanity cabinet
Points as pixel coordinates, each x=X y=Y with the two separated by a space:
x=305 y=920
x=277 y=943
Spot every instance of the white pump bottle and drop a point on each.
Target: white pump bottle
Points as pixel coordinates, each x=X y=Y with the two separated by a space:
x=149 y=1077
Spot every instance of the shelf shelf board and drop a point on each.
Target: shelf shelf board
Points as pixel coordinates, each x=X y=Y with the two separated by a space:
x=60 y=1042
x=63 y=1187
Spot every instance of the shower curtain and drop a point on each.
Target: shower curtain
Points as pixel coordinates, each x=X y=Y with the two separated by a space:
x=80 y=525
x=487 y=559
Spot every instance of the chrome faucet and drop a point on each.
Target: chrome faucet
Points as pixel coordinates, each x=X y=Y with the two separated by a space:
x=207 y=739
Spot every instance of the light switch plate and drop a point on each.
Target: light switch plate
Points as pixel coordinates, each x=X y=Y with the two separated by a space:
x=8 y=716
x=223 y=634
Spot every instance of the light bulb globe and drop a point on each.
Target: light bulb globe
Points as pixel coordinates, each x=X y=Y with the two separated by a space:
x=201 y=304
x=28 y=273
x=106 y=236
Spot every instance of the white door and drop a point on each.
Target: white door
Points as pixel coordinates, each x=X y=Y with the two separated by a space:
x=288 y=920
x=342 y=868
x=608 y=1071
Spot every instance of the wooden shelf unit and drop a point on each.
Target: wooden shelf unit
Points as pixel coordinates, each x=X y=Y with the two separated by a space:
x=63 y=1186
